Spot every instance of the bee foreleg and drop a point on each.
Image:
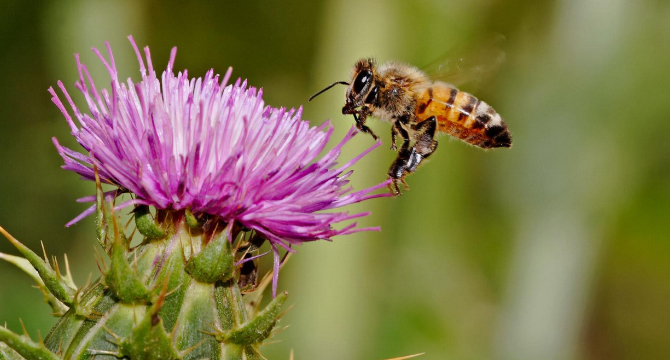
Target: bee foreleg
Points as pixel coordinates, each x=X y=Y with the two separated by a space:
x=360 y=124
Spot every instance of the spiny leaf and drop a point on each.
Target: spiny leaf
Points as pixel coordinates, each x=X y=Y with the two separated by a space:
x=258 y=328
x=57 y=307
x=122 y=279
x=215 y=262
x=148 y=339
x=56 y=285
x=26 y=347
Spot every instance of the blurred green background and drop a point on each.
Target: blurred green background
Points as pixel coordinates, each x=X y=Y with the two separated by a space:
x=554 y=249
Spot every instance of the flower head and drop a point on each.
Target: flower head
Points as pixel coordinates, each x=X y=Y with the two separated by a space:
x=213 y=148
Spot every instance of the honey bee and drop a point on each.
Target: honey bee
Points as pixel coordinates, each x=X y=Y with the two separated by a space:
x=418 y=108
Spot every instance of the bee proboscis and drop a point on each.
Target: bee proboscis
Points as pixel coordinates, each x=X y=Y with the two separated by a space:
x=418 y=108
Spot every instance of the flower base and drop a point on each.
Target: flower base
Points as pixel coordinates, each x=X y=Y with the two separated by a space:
x=172 y=297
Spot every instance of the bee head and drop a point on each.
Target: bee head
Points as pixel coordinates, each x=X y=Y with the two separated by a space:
x=362 y=89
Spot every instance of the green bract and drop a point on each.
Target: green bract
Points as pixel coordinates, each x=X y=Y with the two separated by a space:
x=175 y=296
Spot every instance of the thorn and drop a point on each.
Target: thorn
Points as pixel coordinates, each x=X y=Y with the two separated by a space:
x=100 y=264
x=23 y=326
x=190 y=243
x=210 y=333
x=56 y=267
x=285 y=259
x=132 y=233
x=285 y=312
x=237 y=248
x=44 y=251
x=164 y=285
x=83 y=310
x=214 y=328
x=216 y=227
x=267 y=278
x=173 y=333
x=117 y=338
x=96 y=313
x=270 y=342
x=257 y=305
x=190 y=349
x=291 y=355
x=103 y=352
x=88 y=280
x=161 y=296
x=39 y=337
x=8 y=236
x=239 y=244
x=173 y=290
x=115 y=223
x=68 y=273
x=280 y=330
x=77 y=296
x=128 y=223
x=95 y=250
x=183 y=252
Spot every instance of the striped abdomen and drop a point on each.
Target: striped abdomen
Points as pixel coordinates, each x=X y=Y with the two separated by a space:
x=463 y=116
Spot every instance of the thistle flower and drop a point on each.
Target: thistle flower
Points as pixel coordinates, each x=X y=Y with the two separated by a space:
x=225 y=173
x=212 y=148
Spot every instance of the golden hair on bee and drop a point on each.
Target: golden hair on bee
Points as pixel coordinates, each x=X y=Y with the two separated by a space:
x=418 y=109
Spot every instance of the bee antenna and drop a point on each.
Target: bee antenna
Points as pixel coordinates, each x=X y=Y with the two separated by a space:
x=327 y=88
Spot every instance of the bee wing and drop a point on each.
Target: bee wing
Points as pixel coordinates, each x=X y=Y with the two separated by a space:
x=469 y=64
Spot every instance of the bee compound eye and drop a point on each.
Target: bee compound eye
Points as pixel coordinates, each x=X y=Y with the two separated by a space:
x=362 y=79
x=372 y=96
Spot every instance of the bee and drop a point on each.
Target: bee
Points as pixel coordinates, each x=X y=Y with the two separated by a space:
x=418 y=109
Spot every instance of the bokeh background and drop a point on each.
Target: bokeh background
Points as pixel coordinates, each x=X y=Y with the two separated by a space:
x=557 y=248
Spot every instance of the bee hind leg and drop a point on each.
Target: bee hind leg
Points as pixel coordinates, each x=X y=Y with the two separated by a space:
x=409 y=158
x=406 y=157
x=425 y=141
x=405 y=163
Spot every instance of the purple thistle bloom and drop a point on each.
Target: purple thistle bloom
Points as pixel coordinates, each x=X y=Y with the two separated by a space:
x=200 y=144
